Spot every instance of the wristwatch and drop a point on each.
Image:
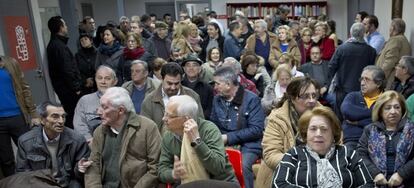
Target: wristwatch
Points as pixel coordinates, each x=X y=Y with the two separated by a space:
x=196 y=142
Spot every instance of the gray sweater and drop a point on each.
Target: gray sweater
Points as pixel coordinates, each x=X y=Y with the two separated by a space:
x=86 y=118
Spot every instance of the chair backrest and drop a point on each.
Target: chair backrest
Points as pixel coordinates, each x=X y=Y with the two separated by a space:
x=235 y=158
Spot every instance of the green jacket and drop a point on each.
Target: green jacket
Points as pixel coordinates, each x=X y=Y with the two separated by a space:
x=138 y=160
x=211 y=153
x=153 y=106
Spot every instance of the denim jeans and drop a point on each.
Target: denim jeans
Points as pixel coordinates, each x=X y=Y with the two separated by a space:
x=248 y=160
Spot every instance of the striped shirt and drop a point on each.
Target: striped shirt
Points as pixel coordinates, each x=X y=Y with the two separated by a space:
x=298 y=169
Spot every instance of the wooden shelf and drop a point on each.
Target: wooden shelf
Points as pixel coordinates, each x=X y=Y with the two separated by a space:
x=257 y=10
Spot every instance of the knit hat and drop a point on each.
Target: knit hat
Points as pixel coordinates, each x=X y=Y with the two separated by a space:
x=191 y=57
x=162 y=25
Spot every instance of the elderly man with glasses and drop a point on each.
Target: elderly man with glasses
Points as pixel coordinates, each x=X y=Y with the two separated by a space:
x=357 y=106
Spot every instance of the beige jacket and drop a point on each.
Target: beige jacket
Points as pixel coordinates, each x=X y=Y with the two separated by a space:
x=396 y=47
x=278 y=138
x=140 y=151
x=251 y=45
x=293 y=50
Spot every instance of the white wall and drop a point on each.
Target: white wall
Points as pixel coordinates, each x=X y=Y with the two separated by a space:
x=383 y=12
x=137 y=7
x=409 y=22
x=104 y=11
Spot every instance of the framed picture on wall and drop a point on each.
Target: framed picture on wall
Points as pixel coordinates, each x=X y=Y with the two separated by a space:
x=397 y=8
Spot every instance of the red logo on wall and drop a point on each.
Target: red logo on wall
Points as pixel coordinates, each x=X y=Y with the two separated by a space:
x=20 y=41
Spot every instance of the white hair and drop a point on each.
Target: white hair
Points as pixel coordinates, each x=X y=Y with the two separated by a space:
x=358 y=31
x=186 y=106
x=118 y=97
x=233 y=63
x=113 y=74
x=262 y=23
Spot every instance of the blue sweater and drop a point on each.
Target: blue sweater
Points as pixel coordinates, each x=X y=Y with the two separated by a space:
x=354 y=109
x=8 y=103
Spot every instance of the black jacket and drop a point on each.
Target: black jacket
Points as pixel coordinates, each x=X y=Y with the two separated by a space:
x=85 y=59
x=407 y=89
x=63 y=71
x=33 y=154
x=348 y=62
x=406 y=171
x=299 y=168
x=204 y=53
x=205 y=91
x=123 y=71
x=162 y=46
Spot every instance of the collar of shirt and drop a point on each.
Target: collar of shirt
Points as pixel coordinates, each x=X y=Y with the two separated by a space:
x=114 y=131
x=165 y=97
x=47 y=138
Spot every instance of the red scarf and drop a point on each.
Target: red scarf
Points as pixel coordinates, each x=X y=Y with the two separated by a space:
x=134 y=53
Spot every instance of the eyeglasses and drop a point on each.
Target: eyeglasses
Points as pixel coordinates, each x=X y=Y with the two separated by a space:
x=306 y=96
x=365 y=79
x=400 y=66
x=169 y=116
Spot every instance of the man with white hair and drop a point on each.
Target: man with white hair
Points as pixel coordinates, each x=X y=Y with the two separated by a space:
x=126 y=146
x=86 y=117
x=261 y=43
x=236 y=66
x=181 y=119
x=348 y=62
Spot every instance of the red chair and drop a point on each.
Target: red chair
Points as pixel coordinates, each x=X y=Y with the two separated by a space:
x=235 y=158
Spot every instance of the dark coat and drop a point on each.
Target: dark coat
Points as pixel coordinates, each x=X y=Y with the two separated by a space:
x=33 y=154
x=348 y=62
x=242 y=120
x=162 y=46
x=38 y=178
x=204 y=44
x=123 y=71
x=356 y=116
x=309 y=71
x=85 y=59
x=406 y=171
x=299 y=169
x=407 y=89
x=205 y=91
x=63 y=71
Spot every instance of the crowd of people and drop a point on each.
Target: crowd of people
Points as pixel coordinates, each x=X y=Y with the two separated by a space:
x=150 y=101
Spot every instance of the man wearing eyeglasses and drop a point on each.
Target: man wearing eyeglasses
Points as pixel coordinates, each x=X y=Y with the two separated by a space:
x=404 y=72
x=154 y=103
x=347 y=64
x=357 y=106
x=185 y=125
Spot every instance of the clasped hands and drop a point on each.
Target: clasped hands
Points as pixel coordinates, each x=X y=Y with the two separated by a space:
x=395 y=180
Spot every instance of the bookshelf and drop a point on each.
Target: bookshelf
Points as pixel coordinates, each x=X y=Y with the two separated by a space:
x=258 y=10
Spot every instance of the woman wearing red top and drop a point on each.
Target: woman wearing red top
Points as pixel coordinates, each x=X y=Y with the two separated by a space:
x=321 y=39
